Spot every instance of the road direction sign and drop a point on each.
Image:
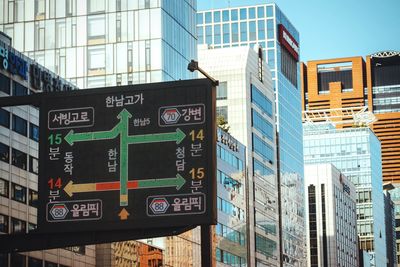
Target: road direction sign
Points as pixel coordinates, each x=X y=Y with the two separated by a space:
x=128 y=157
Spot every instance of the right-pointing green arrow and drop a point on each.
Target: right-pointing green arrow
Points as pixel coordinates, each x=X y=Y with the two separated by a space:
x=177 y=182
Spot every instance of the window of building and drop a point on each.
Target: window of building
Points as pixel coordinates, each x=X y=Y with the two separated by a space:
x=4 y=153
x=289 y=66
x=19 y=89
x=222 y=91
x=208 y=17
x=222 y=111
x=243 y=31
x=40 y=6
x=225 y=15
x=18 y=159
x=217 y=34
x=261 y=101
x=217 y=16
x=19 y=125
x=17 y=226
x=261 y=29
x=208 y=34
x=96 y=27
x=260 y=12
x=4 y=188
x=34 y=132
x=270 y=11
x=4 y=84
x=252 y=31
x=18 y=193
x=33 y=198
x=200 y=35
x=200 y=18
x=262 y=125
x=235 y=32
x=96 y=6
x=243 y=13
x=3 y=223
x=3 y=259
x=96 y=58
x=252 y=13
x=234 y=15
x=265 y=246
x=33 y=165
x=31 y=227
x=32 y=262
x=263 y=149
x=50 y=264
x=4 y=118
x=226 y=33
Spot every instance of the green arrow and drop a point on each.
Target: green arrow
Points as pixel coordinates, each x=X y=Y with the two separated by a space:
x=177 y=182
x=72 y=137
x=177 y=136
x=124 y=117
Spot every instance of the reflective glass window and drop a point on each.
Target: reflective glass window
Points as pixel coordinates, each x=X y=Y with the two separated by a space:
x=33 y=198
x=263 y=149
x=226 y=33
x=261 y=101
x=33 y=165
x=4 y=153
x=4 y=188
x=222 y=91
x=4 y=224
x=19 y=159
x=217 y=34
x=208 y=34
x=252 y=31
x=261 y=124
x=4 y=84
x=19 y=90
x=34 y=132
x=19 y=125
x=217 y=16
x=234 y=15
x=243 y=31
x=18 y=226
x=235 y=33
x=96 y=58
x=96 y=6
x=199 y=18
x=252 y=13
x=261 y=29
x=270 y=29
x=40 y=7
x=270 y=11
x=208 y=17
x=243 y=13
x=96 y=27
x=260 y=12
x=225 y=15
x=200 y=35
x=4 y=118
x=222 y=111
x=18 y=193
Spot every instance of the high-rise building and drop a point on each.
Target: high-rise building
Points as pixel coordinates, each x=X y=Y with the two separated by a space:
x=355 y=82
x=395 y=196
x=98 y=43
x=356 y=152
x=332 y=217
x=19 y=137
x=245 y=100
x=390 y=222
x=267 y=26
x=230 y=235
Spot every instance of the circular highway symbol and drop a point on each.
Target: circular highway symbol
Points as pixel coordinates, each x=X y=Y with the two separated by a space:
x=170 y=115
x=159 y=205
x=58 y=211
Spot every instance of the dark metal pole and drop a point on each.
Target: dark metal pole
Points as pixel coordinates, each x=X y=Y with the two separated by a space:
x=206 y=246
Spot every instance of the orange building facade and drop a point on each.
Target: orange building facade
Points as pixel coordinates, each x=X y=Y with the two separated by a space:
x=355 y=82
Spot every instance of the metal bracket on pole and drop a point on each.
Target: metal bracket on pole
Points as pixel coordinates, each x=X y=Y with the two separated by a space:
x=194 y=65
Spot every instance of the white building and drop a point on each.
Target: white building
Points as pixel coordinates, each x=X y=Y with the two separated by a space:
x=332 y=217
x=245 y=98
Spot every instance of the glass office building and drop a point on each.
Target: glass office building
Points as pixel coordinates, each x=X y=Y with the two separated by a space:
x=245 y=100
x=96 y=43
x=356 y=152
x=267 y=26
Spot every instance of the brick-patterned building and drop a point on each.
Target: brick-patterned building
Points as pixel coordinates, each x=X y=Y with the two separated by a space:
x=355 y=82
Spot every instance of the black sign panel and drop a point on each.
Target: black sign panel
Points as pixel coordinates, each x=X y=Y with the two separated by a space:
x=131 y=157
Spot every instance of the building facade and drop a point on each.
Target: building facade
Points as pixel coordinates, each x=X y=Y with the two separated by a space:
x=245 y=100
x=355 y=82
x=267 y=26
x=331 y=210
x=390 y=222
x=356 y=152
x=98 y=43
x=395 y=196
x=19 y=136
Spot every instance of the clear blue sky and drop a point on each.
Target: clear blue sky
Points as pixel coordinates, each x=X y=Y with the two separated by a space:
x=335 y=28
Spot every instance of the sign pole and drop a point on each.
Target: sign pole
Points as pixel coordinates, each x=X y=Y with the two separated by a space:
x=206 y=246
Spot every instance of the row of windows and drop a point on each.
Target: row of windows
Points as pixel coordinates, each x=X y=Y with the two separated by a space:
x=263 y=149
x=17 y=226
x=261 y=124
x=230 y=234
x=21 y=260
x=234 y=14
x=228 y=157
x=229 y=182
x=264 y=223
x=261 y=101
x=230 y=209
x=17 y=89
x=19 y=125
x=229 y=258
x=18 y=193
x=18 y=159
